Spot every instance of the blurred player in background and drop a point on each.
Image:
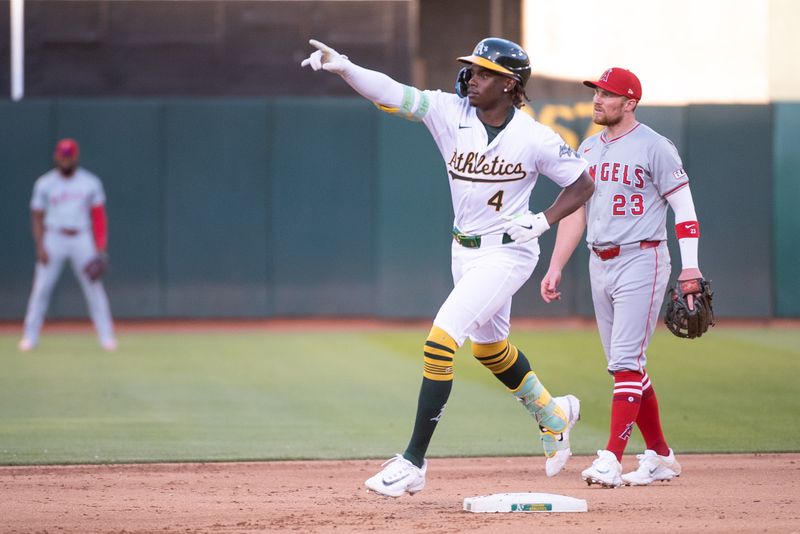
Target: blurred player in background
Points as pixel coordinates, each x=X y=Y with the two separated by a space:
x=493 y=154
x=69 y=223
x=638 y=175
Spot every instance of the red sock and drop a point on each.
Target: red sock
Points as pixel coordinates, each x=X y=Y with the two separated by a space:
x=624 y=409
x=649 y=422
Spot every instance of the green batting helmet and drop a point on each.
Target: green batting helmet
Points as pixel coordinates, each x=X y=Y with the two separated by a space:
x=503 y=56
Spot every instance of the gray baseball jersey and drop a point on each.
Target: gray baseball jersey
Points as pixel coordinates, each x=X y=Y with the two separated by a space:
x=633 y=174
x=67 y=201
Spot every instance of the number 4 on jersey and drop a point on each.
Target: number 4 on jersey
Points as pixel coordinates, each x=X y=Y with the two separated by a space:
x=496 y=200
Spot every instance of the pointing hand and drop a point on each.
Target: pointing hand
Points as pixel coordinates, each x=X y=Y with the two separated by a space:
x=325 y=58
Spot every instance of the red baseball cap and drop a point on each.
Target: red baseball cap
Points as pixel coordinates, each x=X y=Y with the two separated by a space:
x=620 y=82
x=67 y=148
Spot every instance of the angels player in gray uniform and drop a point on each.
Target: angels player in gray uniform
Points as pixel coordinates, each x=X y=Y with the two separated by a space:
x=493 y=153
x=638 y=174
x=69 y=223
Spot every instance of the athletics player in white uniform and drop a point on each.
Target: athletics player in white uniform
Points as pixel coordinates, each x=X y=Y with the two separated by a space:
x=638 y=174
x=69 y=223
x=493 y=153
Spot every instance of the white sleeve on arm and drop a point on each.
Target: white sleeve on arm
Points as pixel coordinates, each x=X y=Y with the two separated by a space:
x=687 y=229
x=389 y=95
x=373 y=85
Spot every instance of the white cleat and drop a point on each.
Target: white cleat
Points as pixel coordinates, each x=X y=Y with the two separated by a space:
x=25 y=345
x=110 y=345
x=399 y=476
x=605 y=471
x=652 y=468
x=556 y=446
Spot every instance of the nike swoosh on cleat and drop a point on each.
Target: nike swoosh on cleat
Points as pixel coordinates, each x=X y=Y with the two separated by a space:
x=395 y=482
x=653 y=470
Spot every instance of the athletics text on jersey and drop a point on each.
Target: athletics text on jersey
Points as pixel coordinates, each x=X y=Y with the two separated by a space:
x=490 y=179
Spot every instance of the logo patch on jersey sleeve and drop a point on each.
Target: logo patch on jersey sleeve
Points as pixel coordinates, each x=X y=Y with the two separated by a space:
x=680 y=173
x=566 y=150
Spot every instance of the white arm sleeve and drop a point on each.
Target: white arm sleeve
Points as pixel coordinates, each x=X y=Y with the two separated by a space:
x=390 y=96
x=374 y=86
x=683 y=206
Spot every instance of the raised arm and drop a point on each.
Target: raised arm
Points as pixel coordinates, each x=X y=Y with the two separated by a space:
x=372 y=85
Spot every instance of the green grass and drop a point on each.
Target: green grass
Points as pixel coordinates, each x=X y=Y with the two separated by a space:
x=266 y=395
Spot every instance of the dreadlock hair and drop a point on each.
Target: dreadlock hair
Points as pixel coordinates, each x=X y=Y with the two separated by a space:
x=518 y=96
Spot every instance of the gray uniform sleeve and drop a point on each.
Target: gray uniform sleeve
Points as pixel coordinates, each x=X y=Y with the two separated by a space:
x=98 y=194
x=668 y=173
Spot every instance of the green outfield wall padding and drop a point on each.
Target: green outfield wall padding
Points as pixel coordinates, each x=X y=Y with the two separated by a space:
x=729 y=161
x=26 y=143
x=216 y=207
x=414 y=221
x=324 y=180
x=786 y=215
x=267 y=207
x=669 y=121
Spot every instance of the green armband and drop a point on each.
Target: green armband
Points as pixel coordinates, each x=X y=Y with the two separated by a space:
x=406 y=109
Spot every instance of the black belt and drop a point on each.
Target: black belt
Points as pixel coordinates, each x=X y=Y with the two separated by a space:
x=474 y=241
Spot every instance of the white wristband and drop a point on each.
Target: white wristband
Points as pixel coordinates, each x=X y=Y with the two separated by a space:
x=688 y=247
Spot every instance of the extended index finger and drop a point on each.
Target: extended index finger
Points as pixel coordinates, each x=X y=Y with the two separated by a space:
x=322 y=47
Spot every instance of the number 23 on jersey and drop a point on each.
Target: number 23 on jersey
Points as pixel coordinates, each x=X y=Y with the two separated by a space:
x=623 y=205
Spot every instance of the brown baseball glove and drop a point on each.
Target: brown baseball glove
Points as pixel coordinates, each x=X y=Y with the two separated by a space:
x=96 y=267
x=689 y=312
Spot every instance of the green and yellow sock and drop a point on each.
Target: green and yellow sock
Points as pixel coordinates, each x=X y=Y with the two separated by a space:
x=437 y=382
x=504 y=360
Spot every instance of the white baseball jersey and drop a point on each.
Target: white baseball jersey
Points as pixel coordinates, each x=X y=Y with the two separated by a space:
x=488 y=181
x=632 y=174
x=67 y=201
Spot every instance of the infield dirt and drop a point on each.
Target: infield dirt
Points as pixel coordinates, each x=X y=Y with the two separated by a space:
x=716 y=493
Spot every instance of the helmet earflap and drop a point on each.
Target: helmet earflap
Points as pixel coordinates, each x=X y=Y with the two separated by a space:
x=462 y=80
